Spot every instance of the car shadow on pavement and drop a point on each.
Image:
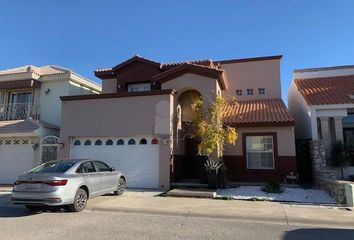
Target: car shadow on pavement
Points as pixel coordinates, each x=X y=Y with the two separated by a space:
x=21 y=211
x=320 y=233
x=12 y=212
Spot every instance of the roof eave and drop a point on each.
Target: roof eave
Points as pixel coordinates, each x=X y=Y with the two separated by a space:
x=262 y=124
x=194 y=69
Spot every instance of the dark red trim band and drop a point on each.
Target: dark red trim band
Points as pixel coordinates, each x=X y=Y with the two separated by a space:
x=118 y=95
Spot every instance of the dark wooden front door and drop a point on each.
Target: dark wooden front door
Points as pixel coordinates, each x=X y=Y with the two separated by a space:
x=191 y=159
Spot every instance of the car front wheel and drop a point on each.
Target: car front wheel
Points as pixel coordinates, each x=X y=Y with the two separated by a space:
x=80 y=201
x=121 y=186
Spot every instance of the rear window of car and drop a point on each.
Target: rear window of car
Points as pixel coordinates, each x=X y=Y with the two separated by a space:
x=53 y=167
x=102 y=166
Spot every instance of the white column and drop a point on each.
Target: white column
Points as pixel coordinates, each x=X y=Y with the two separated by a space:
x=338 y=127
x=325 y=132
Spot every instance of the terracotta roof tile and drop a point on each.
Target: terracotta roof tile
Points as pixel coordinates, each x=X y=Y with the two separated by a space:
x=327 y=90
x=267 y=112
x=204 y=62
x=44 y=70
x=23 y=126
x=163 y=66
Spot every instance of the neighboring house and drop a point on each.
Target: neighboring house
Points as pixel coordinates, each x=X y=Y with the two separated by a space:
x=30 y=113
x=141 y=123
x=321 y=100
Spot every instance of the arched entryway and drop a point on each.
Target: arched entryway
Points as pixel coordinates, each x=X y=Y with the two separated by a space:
x=190 y=163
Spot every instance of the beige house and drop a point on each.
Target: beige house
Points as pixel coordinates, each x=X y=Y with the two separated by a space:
x=141 y=123
x=30 y=114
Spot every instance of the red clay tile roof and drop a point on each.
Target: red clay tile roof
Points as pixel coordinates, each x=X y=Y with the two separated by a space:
x=193 y=68
x=23 y=126
x=205 y=62
x=267 y=112
x=327 y=90
x=163 y=66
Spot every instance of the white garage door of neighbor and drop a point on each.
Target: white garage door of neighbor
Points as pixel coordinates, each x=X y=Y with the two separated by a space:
x=137 y=158
x=16 y=157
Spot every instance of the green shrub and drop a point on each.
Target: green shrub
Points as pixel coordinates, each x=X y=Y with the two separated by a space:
x=272 y=187
x=227 y=198
x=257 y=199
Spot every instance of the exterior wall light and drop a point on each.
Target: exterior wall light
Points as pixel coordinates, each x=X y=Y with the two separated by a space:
x=35 y=146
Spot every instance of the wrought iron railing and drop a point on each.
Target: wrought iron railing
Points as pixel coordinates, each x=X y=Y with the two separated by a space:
x=17 y=111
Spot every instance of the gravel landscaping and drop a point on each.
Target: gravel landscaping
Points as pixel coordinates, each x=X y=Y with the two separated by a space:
x=298 y=195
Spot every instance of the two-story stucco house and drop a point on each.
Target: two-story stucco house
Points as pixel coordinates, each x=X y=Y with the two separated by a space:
x=141 y=123
x=30 y=114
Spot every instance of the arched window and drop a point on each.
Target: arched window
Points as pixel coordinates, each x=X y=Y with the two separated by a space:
x=120 y=142
x=77 y=143
x=109 y=142
x=155 y=141
x=87 y=143
x=131 y=142
x=98 y=142
x=143 y=141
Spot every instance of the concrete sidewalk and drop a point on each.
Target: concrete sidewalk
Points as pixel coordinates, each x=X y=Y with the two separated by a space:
x=284 y=213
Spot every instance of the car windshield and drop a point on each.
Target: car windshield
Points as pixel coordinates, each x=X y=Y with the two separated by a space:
x=53 y=167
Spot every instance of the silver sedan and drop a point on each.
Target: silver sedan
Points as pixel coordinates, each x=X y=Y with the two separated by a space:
x=67 y=182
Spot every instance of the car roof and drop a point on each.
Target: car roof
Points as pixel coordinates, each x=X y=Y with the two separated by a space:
x=73 y=160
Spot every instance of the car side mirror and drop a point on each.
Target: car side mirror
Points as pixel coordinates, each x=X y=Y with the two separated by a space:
x=112 y=169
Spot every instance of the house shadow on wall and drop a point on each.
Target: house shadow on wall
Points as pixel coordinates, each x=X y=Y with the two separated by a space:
x=320 y=233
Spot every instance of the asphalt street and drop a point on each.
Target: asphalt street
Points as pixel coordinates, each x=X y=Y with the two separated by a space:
x=18 y=223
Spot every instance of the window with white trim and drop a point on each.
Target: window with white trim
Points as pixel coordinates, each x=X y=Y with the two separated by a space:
x=139 y=87
x=259 y=151
x=250 y=92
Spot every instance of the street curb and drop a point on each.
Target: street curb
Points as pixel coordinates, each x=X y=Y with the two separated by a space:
x=280 y=220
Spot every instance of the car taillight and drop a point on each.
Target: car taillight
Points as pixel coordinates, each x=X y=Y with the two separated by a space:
x=56 y=182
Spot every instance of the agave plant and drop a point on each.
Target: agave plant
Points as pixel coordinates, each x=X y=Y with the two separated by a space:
x=213 y=165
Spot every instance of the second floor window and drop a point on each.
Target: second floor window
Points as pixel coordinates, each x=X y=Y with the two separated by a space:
x=238 y=92
x=250 y=92
x=261 y=91
x=21 y=97
x=139 y=87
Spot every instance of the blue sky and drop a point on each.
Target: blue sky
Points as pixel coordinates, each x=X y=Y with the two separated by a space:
x=86 y=35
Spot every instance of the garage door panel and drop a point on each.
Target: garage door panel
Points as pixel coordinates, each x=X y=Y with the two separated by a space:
x=15 y=159
x=140 y=163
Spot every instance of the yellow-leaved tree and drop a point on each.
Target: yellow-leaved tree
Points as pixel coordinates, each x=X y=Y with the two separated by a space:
x=212 y=133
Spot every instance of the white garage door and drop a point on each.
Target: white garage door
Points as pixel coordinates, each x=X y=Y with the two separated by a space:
x=137 y=157
x=16 y=157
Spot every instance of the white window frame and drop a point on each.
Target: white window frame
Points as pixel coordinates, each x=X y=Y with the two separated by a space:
x=139 y=87
x=250 y=92
x=260 y=151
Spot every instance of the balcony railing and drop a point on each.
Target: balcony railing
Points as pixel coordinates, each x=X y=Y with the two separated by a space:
x=17 y=111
